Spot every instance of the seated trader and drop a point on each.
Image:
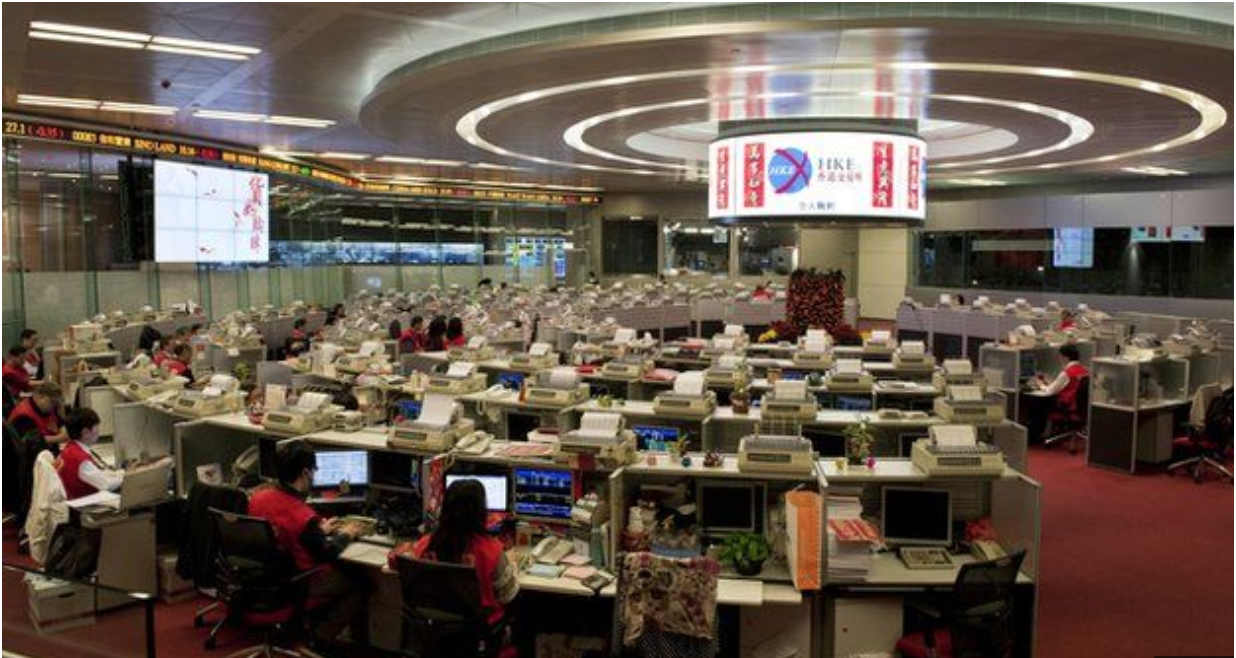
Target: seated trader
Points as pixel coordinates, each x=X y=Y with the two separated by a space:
x=34 y=356
x=16 y=379
x=1066 y=321
x=39 y=414
x=455 y=333
x=413 y=338
x=1063 y=388
x=81 y=471
x=298 y=340
x=312 y=542
x=178 y=364
x=461 y=539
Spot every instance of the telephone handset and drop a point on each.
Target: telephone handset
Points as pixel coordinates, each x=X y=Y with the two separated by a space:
x=476 y=443
x=551 y=550
x=986 y=549
x=495 y=390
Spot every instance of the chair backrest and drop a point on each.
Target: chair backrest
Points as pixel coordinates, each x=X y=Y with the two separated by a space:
x=1081 y=403
x=439 y=590
x=248 y=539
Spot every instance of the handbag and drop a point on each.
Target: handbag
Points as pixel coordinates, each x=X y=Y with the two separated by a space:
x=73 y=552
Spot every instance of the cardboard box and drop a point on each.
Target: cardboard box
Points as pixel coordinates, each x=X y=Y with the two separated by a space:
x=173 y=588
x=58 y=605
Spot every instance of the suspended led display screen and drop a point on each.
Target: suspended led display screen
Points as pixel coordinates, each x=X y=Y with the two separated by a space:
x=818 y=175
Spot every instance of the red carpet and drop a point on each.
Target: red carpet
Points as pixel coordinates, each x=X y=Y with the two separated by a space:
x=1131 y=567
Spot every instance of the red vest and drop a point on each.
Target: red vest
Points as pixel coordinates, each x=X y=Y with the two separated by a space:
x=458 y=341
x=1066 y=325
x=16 y=379
x=1068 y=396
x=175 y=366
x=289 y=515
x=68 y=466
x=47 y=424
x=483 y=554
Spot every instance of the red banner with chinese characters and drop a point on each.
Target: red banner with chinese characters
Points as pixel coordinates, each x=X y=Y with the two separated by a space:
x=753 y=175
x=916 y=169
x=723 y=178
x=882 y=176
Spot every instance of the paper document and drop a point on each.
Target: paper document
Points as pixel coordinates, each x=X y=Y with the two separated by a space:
x=913 y=347
x=540 y=349
x=790 y=390
x=730 y=361
x=689 y=383
x=624 y=335
x=958 y=366
x=437 y=410
x=726 y=344
x=965 y=393
x=954 y=435
x=880 y=336
x=599 y=424
x=817 y=334
x=371 y=348
x=563 y=377
x=276 y=396
x=477 y=342
x=460 y=369
x=312 y=401
x=734 y=330
x=815 y=345
x=849 y=366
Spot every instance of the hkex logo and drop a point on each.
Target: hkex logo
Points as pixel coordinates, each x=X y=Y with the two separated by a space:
x=789 y=171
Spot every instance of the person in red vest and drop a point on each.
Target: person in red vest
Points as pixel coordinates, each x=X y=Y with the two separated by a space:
x=298 y=341
x=1064 y=388
x=178 y=364
x=16 y=379
x=455 y=334
x=338 y=595
x=39 y=414
x=461 y=539
x=81 y=471
x=413 y=338
x=1066 y=321
x=34 y=360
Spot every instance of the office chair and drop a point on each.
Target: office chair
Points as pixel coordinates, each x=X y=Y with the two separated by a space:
x=1210 y=434
x=442 y=612
x=977 y=613
x=257 y=584
x=198 y=556
x=664 y=598
x=1071 y=424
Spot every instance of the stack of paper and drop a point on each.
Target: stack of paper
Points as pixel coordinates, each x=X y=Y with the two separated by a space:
x=849 y=366
x=599 y=425
x=437 y=410
x=851 y=540
x=689 y=383
x=787 y=389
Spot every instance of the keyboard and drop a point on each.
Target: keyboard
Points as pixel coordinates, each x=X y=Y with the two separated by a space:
x=925 y=557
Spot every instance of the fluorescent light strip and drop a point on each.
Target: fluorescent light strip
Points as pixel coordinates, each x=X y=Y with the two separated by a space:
x=179 y=50
x=58 y=101
x=300 y=121
x=89 y=31
x=137 y=108
x=94 y=41
x=399 y=159
x=206 y=45
x=336 y=155
x=286 y=154
x=1151 y=170
x=229 y=116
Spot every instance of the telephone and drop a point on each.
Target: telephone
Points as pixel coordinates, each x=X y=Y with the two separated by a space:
x=986 y=549
x=889 y=414
x=476 y=443
x=551 y=550
x=495 y=391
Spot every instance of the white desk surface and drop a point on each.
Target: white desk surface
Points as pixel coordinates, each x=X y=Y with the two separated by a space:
x=369 y=438
x=668 y=465
x=888 y=569
x=887 y=470
x=905 y=388
x=627 y=408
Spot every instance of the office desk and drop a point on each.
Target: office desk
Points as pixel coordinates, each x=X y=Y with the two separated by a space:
x=1121 y=436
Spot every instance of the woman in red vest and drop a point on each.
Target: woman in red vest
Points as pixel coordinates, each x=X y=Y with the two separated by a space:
x=337 y=594
x=81 y=471
x=1066 y=321
x=16 y=379
x=34 y=360
x=455 y=334
x=461 y=539
x=178 y=364
x=40 y=414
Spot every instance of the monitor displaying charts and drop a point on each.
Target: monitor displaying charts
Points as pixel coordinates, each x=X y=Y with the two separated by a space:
x=655 y=439
x=495 y=489
x=210 y=215
x=334 y=467
x=1073 y=248
x=544 y=493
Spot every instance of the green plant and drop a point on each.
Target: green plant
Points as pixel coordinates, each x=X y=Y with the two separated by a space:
x=858 y=440
x=745 y=551
x=242 y=371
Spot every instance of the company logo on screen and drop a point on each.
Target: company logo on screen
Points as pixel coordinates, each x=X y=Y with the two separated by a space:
x=789 y=171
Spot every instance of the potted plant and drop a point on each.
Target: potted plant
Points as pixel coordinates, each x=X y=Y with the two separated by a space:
x=858 y=440
x=740 y=399
x=746 y=551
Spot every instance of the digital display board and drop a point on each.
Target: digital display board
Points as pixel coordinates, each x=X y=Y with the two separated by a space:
x=1073 y=248
x=210 y=215
x=818 y=175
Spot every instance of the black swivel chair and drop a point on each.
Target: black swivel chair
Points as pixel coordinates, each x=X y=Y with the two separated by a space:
x=257 y=583
x=977 y=614
x=1071 y=424
x=443 y=615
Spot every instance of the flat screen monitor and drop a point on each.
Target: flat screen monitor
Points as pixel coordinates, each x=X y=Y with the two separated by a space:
x=727 y=507
x=512 y=380
x=519 y=425
x=210 y=215
x=397 y=470
x=496 y=496
x=826 y=443
x=853 y=403
x=912 y=516
x=338 y=466
x=1073 y=248
x=544 y=493
x=410 y=409
x=655 y=439
x=905 y=443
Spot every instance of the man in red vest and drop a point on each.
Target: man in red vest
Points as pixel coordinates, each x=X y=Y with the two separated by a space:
x=16 y=379
x=336 y=596
x=40 y=414
x=81 y=471
x=1064 y=388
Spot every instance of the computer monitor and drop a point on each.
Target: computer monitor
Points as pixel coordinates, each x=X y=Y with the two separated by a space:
x=338 y=466
x=655 y=439
x=826 y=443
x=496 y=496
x=396 y=470
x=853 y=403
x=511 y=380
x=544 y=493
x=728 y=507
x=905 y=442
x=410 y=409
x=519 y=425
x=793 y=375
x=1029 y=364
x=916 y=516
